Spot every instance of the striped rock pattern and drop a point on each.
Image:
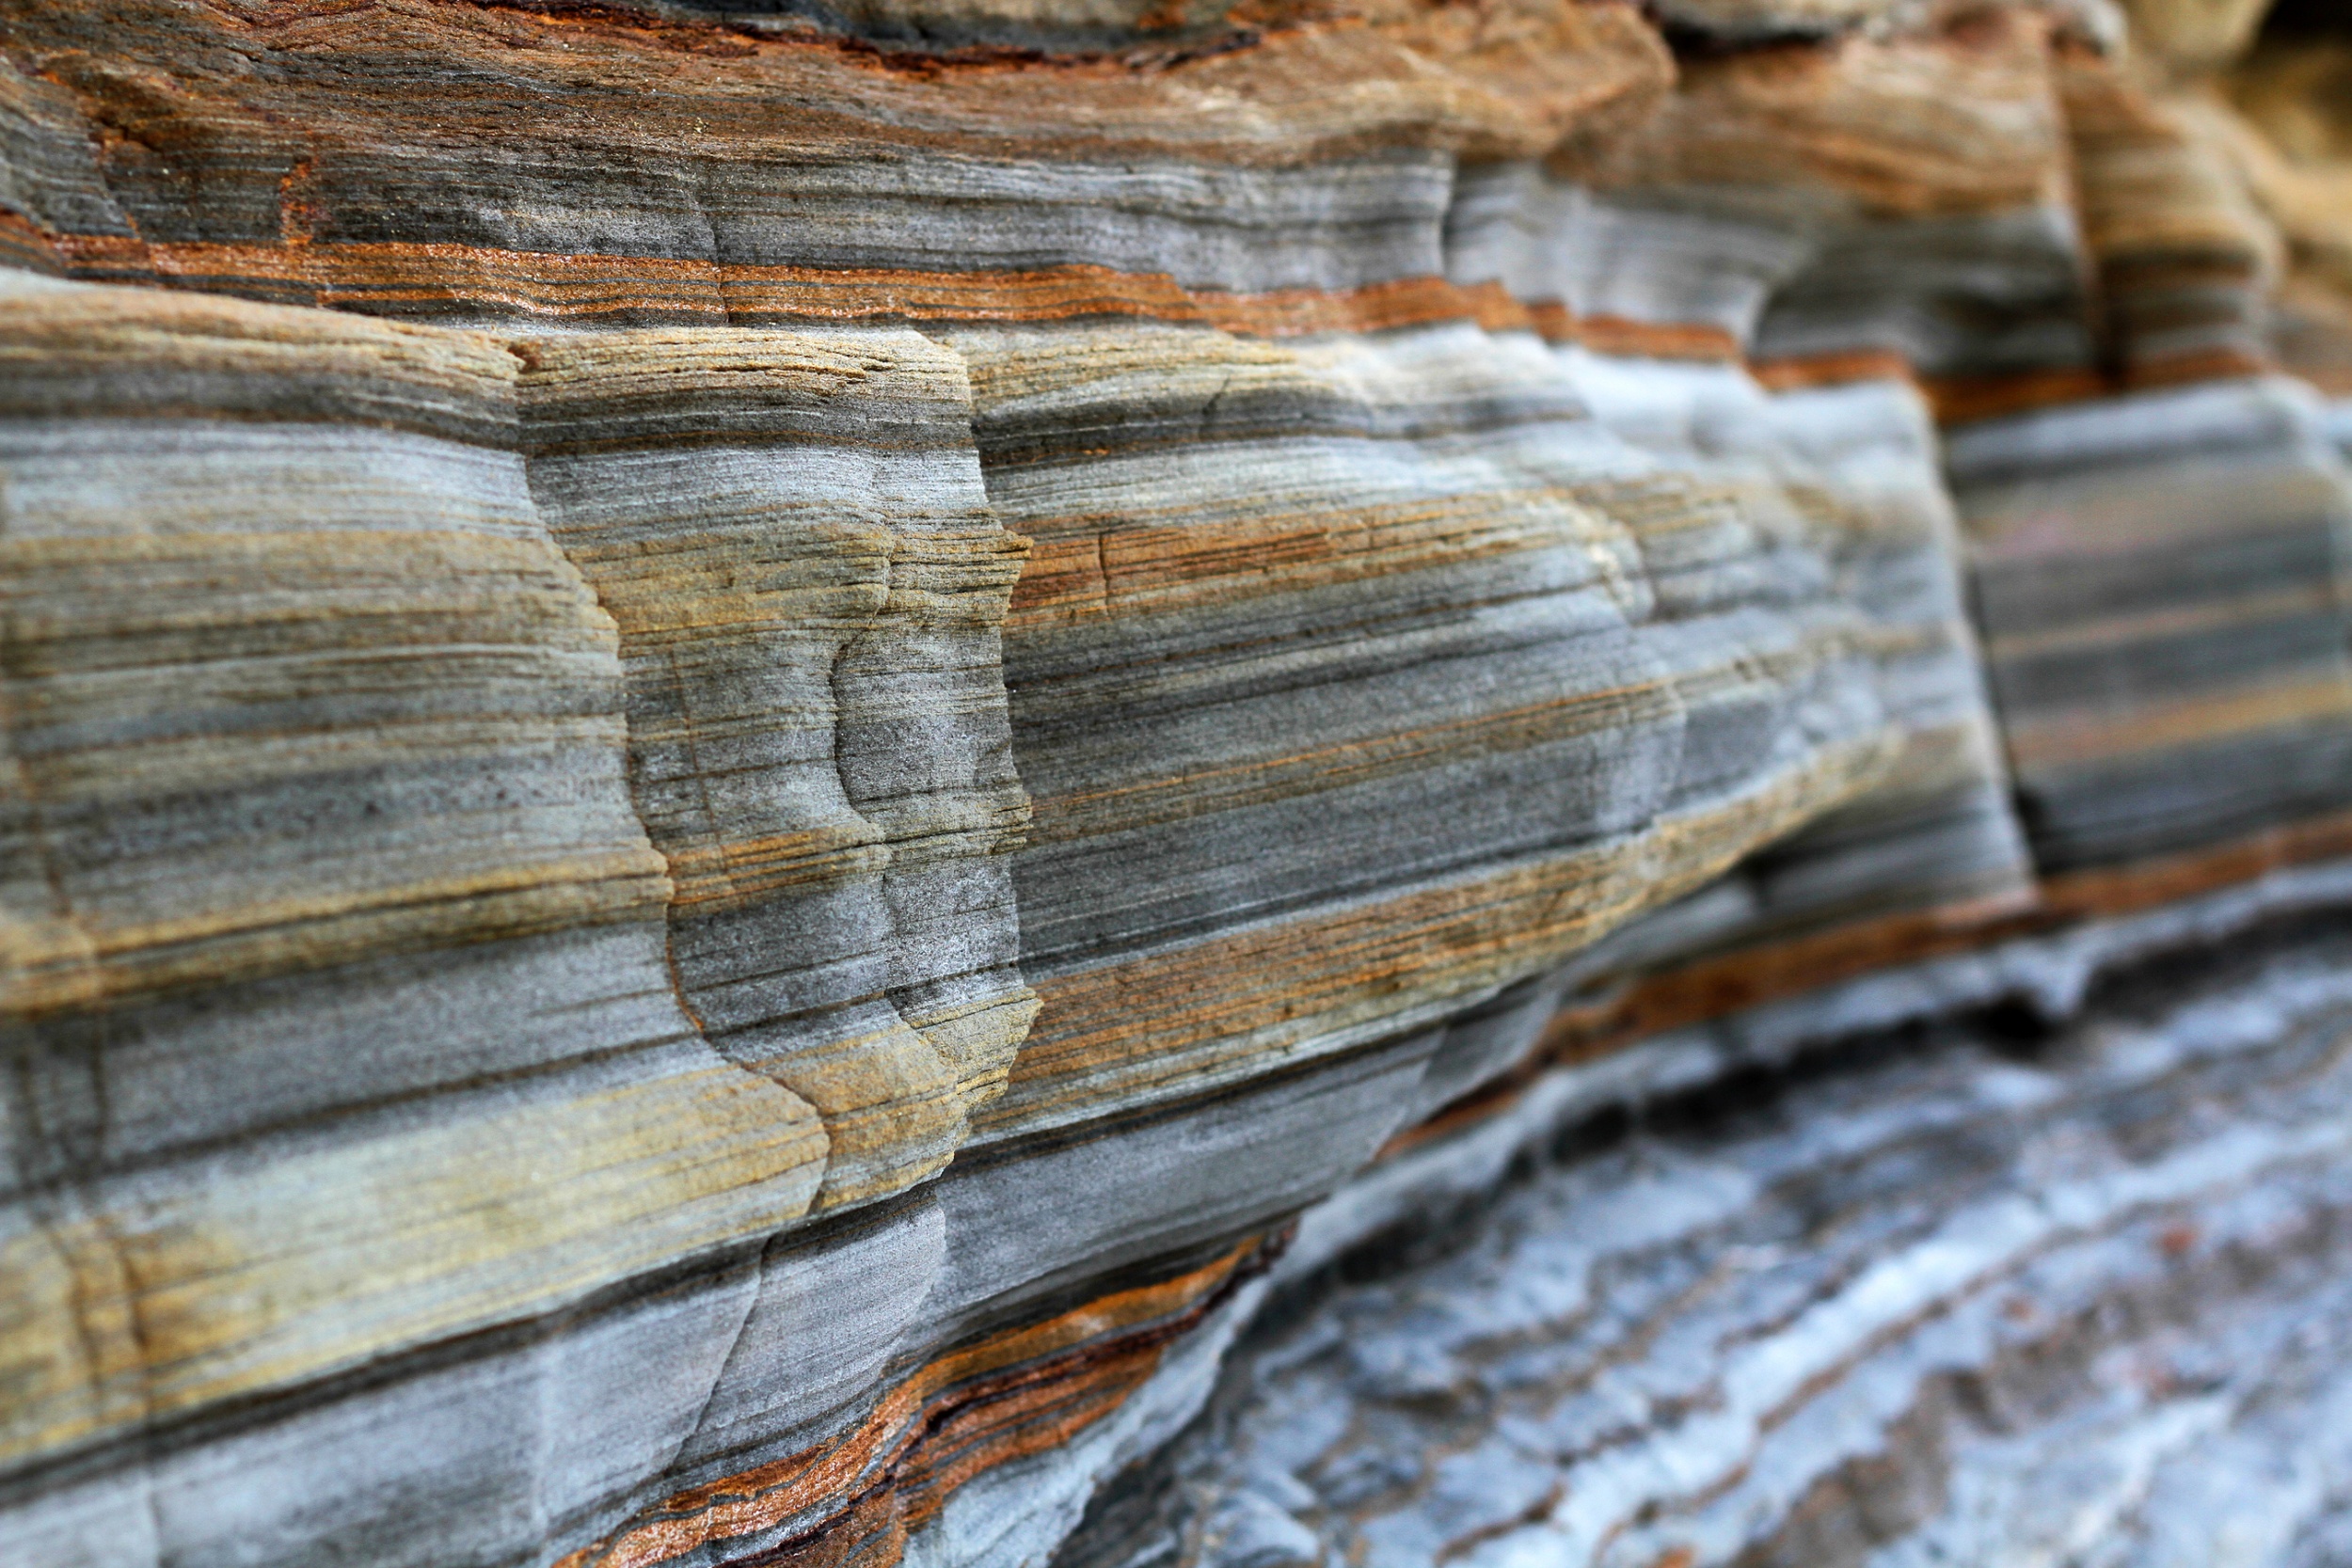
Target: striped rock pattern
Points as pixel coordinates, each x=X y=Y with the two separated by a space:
x=1929 y=1300
x=741 y=742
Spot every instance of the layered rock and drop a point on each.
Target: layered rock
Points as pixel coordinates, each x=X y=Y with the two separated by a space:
x=1933 y=1303
x=742 y=740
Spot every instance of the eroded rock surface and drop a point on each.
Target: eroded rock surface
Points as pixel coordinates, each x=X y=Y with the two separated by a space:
x=1942 y=1298
x=755 y=756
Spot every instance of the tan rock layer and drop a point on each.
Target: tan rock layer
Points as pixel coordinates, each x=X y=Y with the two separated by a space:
x=1964 y=120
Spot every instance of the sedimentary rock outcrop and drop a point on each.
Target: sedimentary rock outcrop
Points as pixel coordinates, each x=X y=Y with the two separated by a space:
x=756 y=756
x=1948 y=1301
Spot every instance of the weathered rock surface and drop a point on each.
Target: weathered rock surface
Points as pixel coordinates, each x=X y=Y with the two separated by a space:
x=755 y=756
x=1938 y=1299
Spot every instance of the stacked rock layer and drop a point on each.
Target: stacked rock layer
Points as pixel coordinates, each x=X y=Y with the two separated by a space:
x=753 y=757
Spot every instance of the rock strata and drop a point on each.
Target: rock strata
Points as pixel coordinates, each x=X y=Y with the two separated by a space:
x=1934 y=1300
x=757 y=757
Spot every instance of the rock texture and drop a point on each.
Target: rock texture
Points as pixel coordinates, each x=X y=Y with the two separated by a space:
x=1938 y=1300
x=755 y=757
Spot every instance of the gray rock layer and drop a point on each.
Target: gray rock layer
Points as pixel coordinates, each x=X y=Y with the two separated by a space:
x=1937 y=1298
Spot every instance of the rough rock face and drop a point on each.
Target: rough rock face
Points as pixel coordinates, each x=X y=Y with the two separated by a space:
x=757 y=759
x=1942 y=1299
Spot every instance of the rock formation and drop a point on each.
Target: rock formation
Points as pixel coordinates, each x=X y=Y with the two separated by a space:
x=936 y=782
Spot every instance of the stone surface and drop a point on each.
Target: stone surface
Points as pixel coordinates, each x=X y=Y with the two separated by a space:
x=1935 y=1298
x=757 y=757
